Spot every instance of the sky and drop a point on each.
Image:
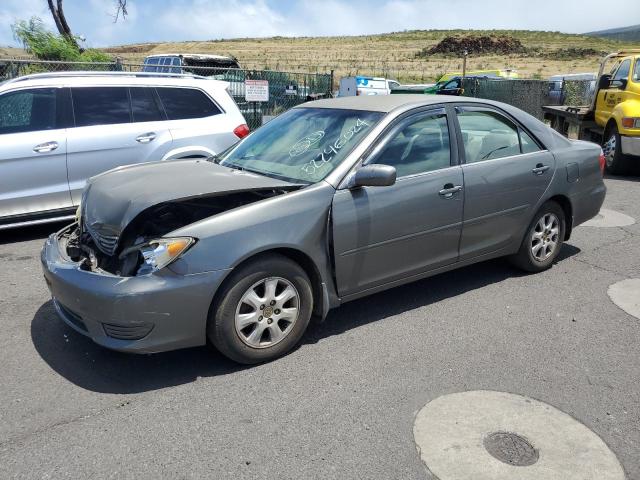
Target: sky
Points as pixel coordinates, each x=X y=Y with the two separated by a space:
x=176 y=20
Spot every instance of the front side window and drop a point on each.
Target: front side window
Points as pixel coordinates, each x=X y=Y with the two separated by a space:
x=488 y=135
x=636 y=71
x=419 y=145
x=622 y=73
x=302 y=145
x=185 y=103
x=28 y=110
x=100 y=106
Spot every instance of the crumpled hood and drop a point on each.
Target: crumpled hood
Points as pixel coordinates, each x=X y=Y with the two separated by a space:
x=112 y=200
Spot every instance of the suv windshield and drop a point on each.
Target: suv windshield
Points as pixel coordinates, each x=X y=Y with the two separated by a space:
x=302 y=145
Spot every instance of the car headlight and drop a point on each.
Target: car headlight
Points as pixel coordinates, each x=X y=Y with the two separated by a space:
x=159 y=253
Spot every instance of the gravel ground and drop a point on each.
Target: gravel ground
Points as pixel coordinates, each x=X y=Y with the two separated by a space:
x=343 y=404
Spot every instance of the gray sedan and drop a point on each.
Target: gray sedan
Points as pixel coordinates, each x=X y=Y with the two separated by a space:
x=331 y=201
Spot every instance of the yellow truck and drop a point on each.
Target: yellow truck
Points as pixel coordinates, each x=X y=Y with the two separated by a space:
x=613 y=117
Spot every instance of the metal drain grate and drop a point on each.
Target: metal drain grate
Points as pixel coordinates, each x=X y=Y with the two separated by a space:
x=511 y=448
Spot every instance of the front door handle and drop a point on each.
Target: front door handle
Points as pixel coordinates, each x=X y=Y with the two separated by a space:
x=45 y=147
x=146 y=137
x=540 y=169
x=449 y=189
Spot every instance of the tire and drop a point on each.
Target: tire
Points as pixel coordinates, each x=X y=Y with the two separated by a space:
x=249 y=324
x=546 y=242
x=616 y=163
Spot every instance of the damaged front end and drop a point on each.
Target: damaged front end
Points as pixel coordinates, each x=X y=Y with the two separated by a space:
x=141 y=246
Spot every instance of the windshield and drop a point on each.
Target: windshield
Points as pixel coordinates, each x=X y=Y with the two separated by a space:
x=302 y=145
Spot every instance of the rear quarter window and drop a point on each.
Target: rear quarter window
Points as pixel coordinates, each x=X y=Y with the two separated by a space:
x=186 y=103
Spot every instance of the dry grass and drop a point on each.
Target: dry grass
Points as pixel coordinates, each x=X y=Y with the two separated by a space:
x=392 y=55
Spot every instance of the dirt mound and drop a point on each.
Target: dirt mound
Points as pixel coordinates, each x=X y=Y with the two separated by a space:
x=476 y=45
x=143 y=48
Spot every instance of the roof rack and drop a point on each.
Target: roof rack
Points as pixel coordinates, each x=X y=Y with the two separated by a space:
x=80 y=73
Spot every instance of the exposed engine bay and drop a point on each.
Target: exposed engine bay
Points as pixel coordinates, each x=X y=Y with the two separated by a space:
x=128 y=258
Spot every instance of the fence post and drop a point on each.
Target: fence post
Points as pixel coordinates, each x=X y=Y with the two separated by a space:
x=330 y=92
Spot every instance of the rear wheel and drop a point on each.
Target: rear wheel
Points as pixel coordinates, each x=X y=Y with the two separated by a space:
x=616 y=162
x=263 y=311
x=543 y=240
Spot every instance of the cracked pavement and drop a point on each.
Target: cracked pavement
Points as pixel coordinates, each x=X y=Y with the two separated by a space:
x=343 y=404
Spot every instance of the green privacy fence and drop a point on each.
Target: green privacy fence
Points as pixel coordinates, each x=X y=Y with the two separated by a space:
x=530 y=95
x=285 y=89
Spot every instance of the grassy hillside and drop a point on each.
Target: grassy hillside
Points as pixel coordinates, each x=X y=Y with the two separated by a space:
x=395 y=55
x=625 y=34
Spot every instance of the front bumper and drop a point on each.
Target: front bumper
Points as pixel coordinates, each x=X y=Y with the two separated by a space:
x=146 y=314
x=630 y=145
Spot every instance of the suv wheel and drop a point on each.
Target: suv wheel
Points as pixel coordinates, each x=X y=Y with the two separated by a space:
x=263 y=311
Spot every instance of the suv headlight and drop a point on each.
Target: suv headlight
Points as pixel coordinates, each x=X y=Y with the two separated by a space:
x=159 y=253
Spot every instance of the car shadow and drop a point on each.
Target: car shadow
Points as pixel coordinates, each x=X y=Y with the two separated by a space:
x=84 y=363
x=634 y=176
x=423 y=292
x=34 y=232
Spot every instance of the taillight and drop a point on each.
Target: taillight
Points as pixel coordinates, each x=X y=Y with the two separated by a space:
x=602 y=161
x=241 y=131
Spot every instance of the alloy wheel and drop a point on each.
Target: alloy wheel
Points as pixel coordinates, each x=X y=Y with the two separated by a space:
x=544 y=238
x=609 y=149
x=267 y=312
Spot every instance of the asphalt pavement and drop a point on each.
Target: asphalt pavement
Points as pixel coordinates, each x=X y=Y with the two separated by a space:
x=343 y=404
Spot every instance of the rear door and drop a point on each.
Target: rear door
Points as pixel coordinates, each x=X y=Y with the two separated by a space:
x=114 y=126
x=33 y=151
x=383 y=234
x=506 y=172
x=196 y=120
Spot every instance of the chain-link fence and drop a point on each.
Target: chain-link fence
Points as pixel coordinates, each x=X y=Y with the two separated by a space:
x=285 y=89
x=531 y=95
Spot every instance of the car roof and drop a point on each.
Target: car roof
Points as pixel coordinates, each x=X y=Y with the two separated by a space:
x=387 y=103
x=120 y=78
x=195 y=56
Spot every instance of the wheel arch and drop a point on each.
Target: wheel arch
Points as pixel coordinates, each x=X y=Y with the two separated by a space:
x=567 y=208
x=320 y=300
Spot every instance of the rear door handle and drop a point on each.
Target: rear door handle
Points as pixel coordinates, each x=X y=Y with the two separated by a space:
x=45 y=147
x=540 y=169
x=146 y=137
x=449 y=189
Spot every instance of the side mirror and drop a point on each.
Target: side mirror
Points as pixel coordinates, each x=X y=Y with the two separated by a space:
x=373 y=176
x=621 y=84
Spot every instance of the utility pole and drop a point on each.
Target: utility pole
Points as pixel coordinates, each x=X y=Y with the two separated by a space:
x=464 y=64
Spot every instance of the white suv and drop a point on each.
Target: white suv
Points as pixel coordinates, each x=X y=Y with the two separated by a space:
x=59 y=129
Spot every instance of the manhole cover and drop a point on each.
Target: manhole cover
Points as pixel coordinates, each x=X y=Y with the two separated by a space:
x=511 y=449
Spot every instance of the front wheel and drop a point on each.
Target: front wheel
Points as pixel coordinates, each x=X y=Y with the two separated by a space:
x=543 y=240
x=263 y=310
x=615 y=161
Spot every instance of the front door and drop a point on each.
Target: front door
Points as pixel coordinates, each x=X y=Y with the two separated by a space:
x=114 y=126
x=383 y=234
x=612 y=95
x=506 y=172
x=33 y=152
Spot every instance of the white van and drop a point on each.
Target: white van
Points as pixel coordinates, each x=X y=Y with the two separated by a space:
x=352 y=86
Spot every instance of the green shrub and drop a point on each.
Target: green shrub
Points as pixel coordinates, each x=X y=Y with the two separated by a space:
x=45 y=45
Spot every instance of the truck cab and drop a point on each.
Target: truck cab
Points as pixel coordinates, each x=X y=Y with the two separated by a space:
x=616 y=108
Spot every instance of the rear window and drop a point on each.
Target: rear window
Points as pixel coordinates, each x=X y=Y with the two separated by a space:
x=185 y=103
x=101 y=106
